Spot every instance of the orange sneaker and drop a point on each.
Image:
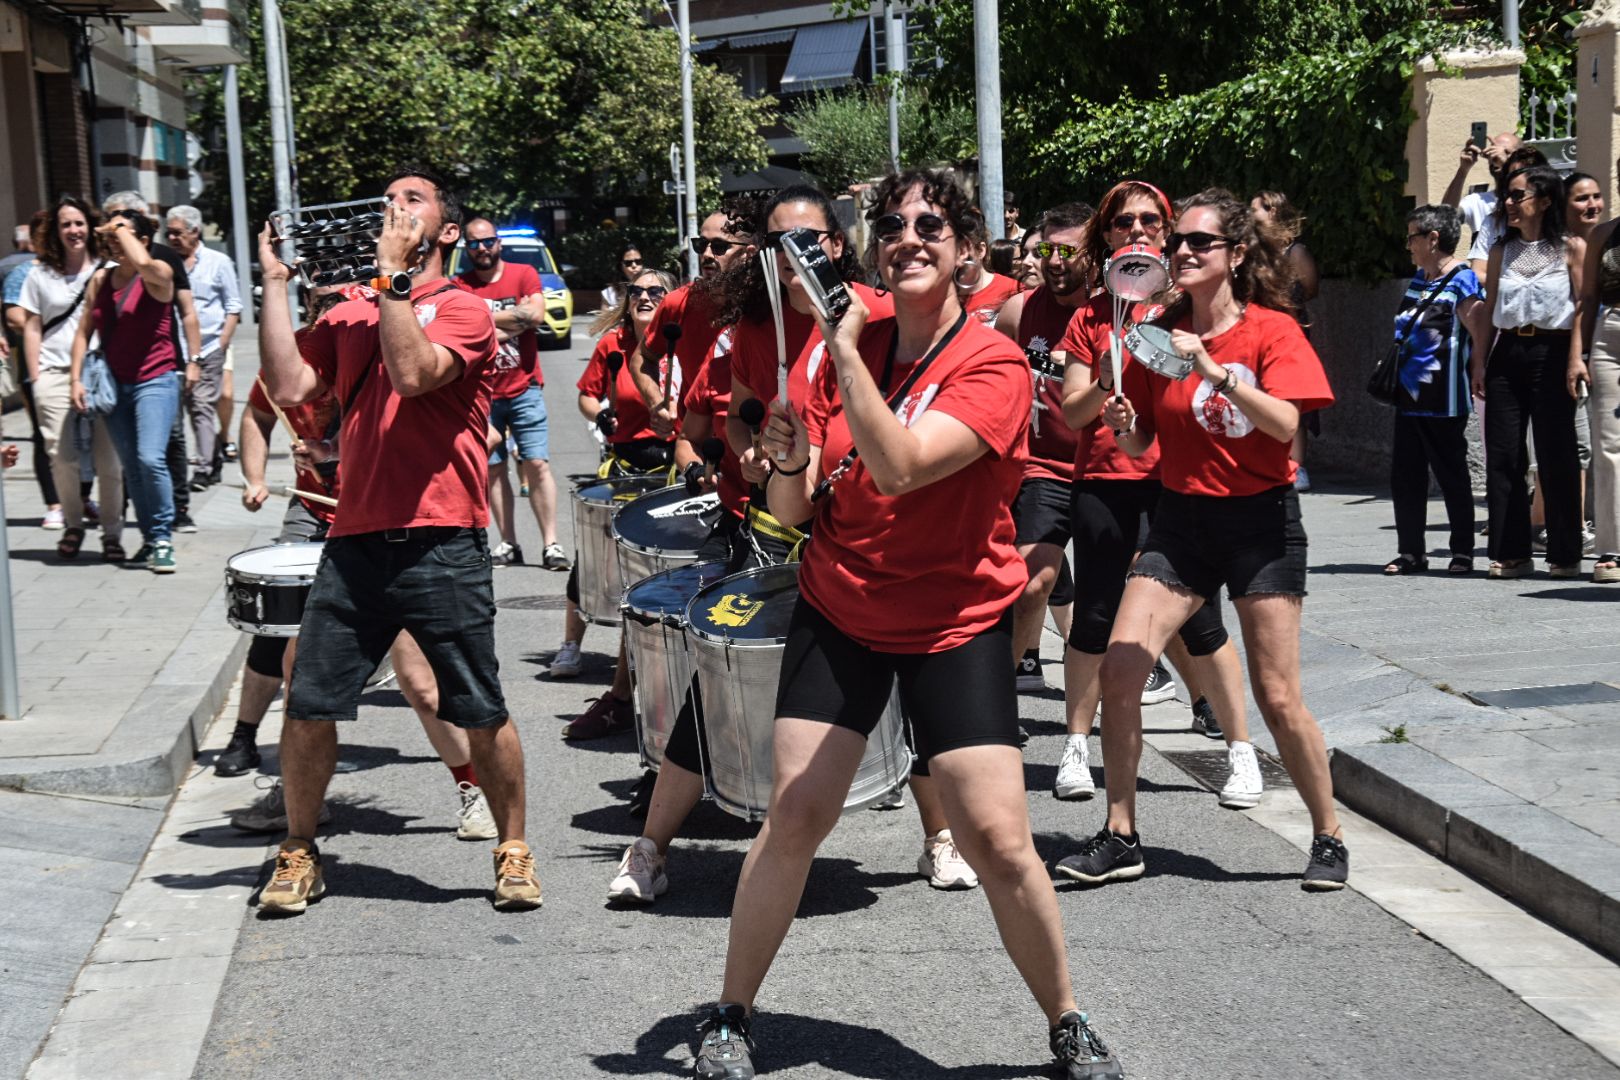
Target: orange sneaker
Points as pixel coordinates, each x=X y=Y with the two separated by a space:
x=516 y=887
x=296 y=882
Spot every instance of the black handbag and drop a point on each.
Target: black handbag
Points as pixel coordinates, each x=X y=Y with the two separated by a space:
x=1385 y=383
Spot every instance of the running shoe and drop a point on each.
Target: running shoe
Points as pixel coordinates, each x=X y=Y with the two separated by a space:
x=142 y=553
x=566 y=663
x=1243 y=786
x=1080 y=1051
x=473 y=819
x=53 y=519
x=183 y=522
x=268 y=813
x=161 y=561
x=607 y=715
x=1204 y=721
x=240 y=756
x=296 y=881
x=1074 y=770
x=1106 y=857
x=894 y=800
x=641 y=878
x=1329 y=867
x=725 y=1049
x=506 y=555
x=1030 y=678
x=516 y=887
x=555 y=558
x=942 y=864
x=1160 y=686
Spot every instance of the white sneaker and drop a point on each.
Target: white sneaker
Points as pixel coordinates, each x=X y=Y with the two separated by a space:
x=566 y=664
x=1244 y=787
x=1074 y=771
x=53 y=519
x=641 y=878
x=476 y=822
x=1159 y=686
x=943 y=865
x=268 y=813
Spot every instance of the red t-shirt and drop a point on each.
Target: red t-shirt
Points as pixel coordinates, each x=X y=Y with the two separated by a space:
x=695 y=316
x=985 y=304
x=1052 y=443
x=633 y=420
x=1208 y=446
x=710 y=395
x=409 y=461
x=929 y=570
x=753 y=348
x=517 y=361
x=1096 y=455
x=312 y=421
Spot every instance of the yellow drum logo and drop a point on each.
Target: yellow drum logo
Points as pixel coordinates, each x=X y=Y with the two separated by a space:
x=735 y=609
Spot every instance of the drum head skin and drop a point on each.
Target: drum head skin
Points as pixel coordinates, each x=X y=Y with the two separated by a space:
x=1136 y=272
x=277 y=560
x=754 y=606
x=621 y=489
x=1152 y=349
x=663 y=597
x=667 y=520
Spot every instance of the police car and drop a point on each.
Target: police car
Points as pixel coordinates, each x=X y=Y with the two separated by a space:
x=523 y=245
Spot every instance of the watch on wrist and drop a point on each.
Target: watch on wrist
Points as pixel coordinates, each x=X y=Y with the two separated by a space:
x=395 y=283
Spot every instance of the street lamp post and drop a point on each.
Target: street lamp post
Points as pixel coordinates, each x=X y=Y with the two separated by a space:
x=239 y=215
x=688 y=139
x=987 y=69
x=275 y=78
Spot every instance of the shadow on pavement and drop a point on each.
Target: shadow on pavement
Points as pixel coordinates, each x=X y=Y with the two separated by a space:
x=362 y=881
x=1041 y=777
x=1590 y=592
x=706 y=822
x=1161 y=862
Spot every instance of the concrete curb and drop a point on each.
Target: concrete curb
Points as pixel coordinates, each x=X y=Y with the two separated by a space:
x=1559 y=871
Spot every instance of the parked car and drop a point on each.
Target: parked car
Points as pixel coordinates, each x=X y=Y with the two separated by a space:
x=524 y=245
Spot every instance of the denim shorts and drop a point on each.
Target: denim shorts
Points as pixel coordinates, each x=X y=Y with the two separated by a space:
x=1253 y=544
x=524 y=418
x=436 y=583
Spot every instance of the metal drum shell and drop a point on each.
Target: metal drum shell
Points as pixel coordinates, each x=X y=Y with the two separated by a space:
x=595 y=552
x=662 y=665
x=639 y=561
x=270 y=604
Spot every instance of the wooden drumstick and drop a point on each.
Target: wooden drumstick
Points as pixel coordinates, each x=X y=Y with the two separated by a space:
x=291 y=434
x=310 y=495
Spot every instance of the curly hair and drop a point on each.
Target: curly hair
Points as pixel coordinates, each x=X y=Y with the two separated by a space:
x=1264 y=277
x=1093 y=239
x=939 y=187
x=51 y=251
x=619 y=314
x=1284 y=214
x=739 y=290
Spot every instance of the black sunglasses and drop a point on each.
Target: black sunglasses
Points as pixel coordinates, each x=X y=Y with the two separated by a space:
x=1149 y=220
x=773 y=239
x=1197 y=241
x=1518 y=195
x=630 y=262
x=487 y=242
x=891 y=227
x=655 y=293
x=718 y=246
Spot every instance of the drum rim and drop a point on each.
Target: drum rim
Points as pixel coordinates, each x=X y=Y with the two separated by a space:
x=730 y=642
x=251 y=577
x=677 y=618
x=578 y=494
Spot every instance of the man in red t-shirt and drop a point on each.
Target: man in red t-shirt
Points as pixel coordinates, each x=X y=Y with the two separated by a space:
x=407 y=550
x=518 y=403
x=719 y=246
x=1036 y=321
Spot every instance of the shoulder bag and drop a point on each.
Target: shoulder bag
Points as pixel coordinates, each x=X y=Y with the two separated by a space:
x=1385 y=383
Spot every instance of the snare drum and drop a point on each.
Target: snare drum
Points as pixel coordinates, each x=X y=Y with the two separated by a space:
x=1136 y=272
x=655 y=633
x=600 y=587
x=1152 y=349
x=737 y=631
x=266 y=588
x=662 y=530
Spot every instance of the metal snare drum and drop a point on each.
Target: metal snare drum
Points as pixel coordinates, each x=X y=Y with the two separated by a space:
x=594 y=504
x=266 y=587
x=655 y=634
x=737 y=631
x=1151 y=347
x=1136 y=272
x=661 y=530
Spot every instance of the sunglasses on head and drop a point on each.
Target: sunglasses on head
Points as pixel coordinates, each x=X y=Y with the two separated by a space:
x=773 y=239
x=1149 y=220
x=487 y=243
x=655 y=293
x=1046 y=249
x=930 y=228
x=1196 y=241
x=718 y=246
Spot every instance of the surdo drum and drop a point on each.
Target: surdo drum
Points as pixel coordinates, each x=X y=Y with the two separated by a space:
x=266 y=588
x=662 y=530
x=655 y=633
x=737 y=631
x=595 y=552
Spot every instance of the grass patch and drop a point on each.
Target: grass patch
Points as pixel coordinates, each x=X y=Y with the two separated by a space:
x=1396 y=734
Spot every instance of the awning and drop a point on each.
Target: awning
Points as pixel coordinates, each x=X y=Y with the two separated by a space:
x=770 y=178
x=824 y=56
x=747 y=41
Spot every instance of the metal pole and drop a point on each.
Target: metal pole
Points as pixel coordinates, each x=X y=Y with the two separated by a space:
x=688 y=139
x=10 y=699
x=894 y=27
x=680 y=197
x=291 y=112
x=987 y=79
x=274 y=60
x=1510 y=22
x=240 y=246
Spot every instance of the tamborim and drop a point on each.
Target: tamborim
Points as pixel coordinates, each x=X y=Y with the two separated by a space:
x=1151 y=347
x=266 y=588
x=821 y=278
x=1136 y=272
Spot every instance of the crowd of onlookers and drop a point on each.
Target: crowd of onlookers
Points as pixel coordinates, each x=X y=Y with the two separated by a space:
x=121 y=346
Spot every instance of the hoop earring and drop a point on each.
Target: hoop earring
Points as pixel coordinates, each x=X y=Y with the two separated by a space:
x=978 y=275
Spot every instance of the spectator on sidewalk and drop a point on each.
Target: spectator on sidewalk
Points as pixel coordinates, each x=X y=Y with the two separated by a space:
x=1441 y=324
x=631 y=265
x=131 y=305
x=14 y=273
x=219 y=310
x=1477 y=207
x=55 y=300
x=1594 y=357
x=1274 y=207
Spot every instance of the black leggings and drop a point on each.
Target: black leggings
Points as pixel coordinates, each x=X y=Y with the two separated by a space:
x=265 y=655
x=1108 y=521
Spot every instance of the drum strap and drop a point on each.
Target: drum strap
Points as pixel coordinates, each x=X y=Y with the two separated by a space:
x=761 y=521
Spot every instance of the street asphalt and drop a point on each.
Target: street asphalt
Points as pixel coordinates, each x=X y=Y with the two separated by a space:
x=1214 y=965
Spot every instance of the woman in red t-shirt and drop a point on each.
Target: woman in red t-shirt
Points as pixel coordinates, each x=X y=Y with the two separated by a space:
x=1229 y=514
x=911 y=572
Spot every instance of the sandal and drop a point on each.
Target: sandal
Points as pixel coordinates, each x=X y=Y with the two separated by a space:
x=112 y=550
x=68 y=547
x=1607 y=568
x=1567 y=572
x=1460 y=564
x=1406 y=564
x=1510 y=568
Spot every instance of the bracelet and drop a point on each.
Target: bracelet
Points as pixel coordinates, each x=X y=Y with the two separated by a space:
x=1228 y=382
x=776 y=471
x=1104 y=389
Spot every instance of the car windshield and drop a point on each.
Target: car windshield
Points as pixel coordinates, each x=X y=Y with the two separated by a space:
x=537 y=257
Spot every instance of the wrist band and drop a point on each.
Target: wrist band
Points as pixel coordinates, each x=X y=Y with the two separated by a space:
x=791 y=472
x=1228 y=382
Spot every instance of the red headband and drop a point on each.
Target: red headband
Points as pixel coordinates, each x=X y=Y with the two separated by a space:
x=1164 y=200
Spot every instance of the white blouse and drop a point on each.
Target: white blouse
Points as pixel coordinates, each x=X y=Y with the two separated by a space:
x=1534 y=288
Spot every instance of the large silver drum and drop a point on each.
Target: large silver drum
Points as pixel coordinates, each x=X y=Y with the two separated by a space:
x=662 y=530
x=655 y=631
x=595 y=557
x=737 y=631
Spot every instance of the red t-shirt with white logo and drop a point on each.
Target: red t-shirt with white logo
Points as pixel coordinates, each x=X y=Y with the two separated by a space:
x=753 y=347
x=710 y=396
x=1096 y=455
x=1052 y=443
x=517 y=360
x=633 y=421
x=931 y=569
x=985 y=304
x=312 y=421
x=409 y=461
x=1208 y=447
x=695 y=316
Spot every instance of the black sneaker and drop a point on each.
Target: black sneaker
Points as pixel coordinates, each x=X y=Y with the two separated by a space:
x=1160 y=686
x=142 y=553
x=641 y=795
x=202 y=480
x=1329 y=867
x=183 y=522
x=1204 y=721
x=1080 y=1051
x=239 y=757
x=724 y=1051
x=1029 y=672
x=1107 y=856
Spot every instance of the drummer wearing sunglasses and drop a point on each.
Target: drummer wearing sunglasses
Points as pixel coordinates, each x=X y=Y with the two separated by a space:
x=924 y=416
x=1229 y=514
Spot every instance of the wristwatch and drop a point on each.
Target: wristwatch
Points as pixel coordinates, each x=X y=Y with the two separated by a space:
x=395 y=283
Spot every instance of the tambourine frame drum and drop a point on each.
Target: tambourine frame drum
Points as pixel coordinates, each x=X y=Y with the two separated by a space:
x=1136 y=272
x=595 y=553
x=820 y=277
x=1151 y=347
x=266 y=588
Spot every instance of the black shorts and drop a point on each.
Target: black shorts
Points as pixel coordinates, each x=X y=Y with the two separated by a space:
x=1041 y=512
x=961 y=697
x=1253 y=544
x=436 y=583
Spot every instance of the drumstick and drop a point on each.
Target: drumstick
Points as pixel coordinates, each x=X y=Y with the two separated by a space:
x=310 y=495
x=1114 y=350
x=291 y=434
x=773 y=290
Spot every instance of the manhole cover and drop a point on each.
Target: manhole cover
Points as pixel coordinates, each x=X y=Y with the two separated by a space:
x=534 y=603
x=1209 y=768
x=1541 y=697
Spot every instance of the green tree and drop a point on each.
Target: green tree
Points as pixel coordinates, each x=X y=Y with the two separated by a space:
x=846 y=133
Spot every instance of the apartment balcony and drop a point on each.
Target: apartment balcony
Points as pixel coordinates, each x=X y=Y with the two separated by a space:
x=219 y=38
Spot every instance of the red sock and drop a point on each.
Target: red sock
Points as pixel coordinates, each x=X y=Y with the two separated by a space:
x=464 y=774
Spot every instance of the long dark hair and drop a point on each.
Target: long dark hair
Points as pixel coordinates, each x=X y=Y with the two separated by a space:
x=1264 y=277
x=1543 y=182
x=51 y=251
x=739 y=291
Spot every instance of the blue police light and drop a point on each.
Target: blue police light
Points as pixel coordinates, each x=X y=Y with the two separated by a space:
x=523 y=230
